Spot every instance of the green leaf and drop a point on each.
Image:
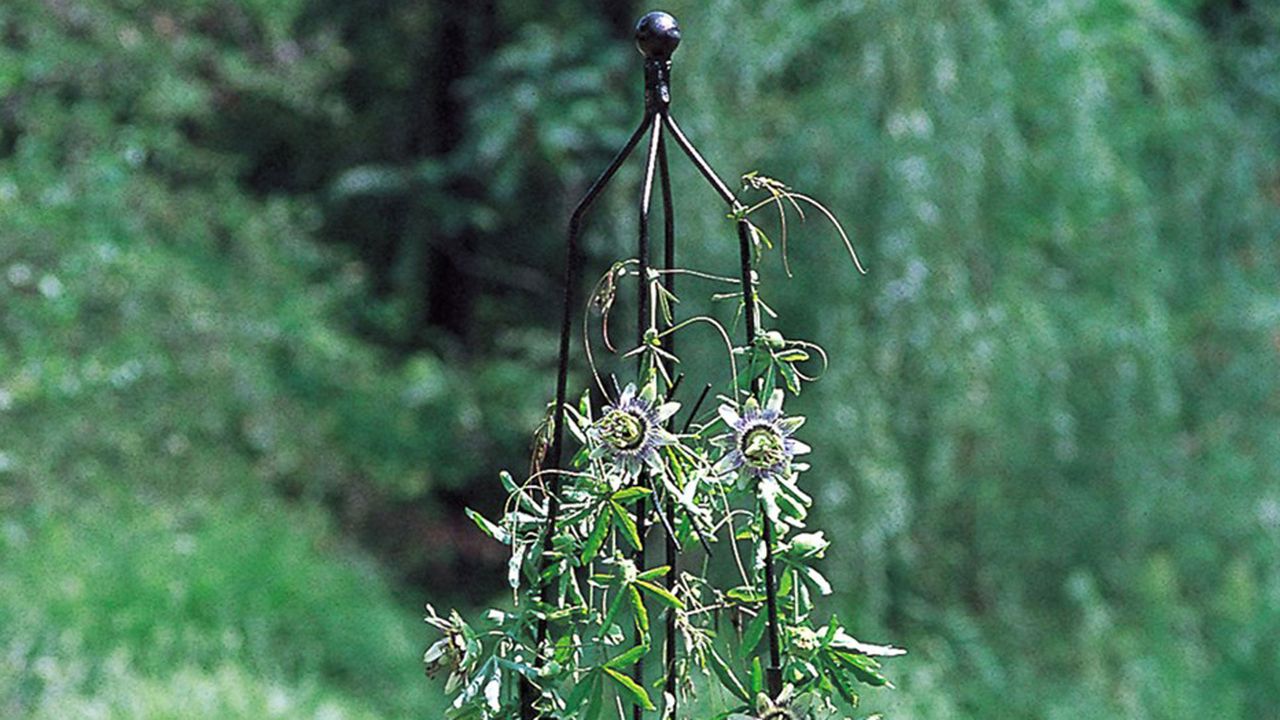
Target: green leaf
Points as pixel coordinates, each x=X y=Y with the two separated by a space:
x=841 y=684
x=580 y=691
x=518 y=667
x=790 y=376
x=596 y=539
x=862 y=667
x=757 y=676
x=770 y=382
x=564 y=649
x=755 y=630
x=760 y=363
x=816 y=579
x=726 y=676
x=786 y=583
x=641 y=612
x=654 y=573
x=614 y=607
x=626 y=495
x=628 y=658
x=833 y=627
x=744 y=594
x=789 y=507
x=595 y=706
x=661 y=593
x=626 y=526
x=630 y=689
x=492 y=530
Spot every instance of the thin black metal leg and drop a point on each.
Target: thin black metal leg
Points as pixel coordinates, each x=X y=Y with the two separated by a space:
x=748 y=286
x=572 y=265
x=672 y=550
x=774 y=672
x=643 y=320
x=723 y=190
x=693 y=414
x=643 y=316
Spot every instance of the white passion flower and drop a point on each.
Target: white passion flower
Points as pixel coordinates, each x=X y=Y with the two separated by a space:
x=760 y=439
x=630 y=432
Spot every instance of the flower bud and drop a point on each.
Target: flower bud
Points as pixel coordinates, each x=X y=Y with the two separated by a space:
x=810 y=544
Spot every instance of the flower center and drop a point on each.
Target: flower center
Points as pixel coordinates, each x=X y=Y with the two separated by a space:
x=622 y=430
x=763 y=448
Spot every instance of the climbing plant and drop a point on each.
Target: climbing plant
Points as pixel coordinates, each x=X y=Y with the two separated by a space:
x=727 y=480
x=714 y=478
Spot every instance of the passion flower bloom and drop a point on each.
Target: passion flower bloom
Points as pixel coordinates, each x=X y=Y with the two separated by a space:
x=760 y=439
x=630 y=432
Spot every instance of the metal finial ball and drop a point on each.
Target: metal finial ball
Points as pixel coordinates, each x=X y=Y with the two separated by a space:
x=657 y=35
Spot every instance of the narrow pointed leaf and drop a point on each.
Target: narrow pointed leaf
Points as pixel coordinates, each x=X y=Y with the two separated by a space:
x=493 y=530
x=641 y=612
x=626 y=495
x=626 y=526
x=630 y=689
x=628 y=658
x=654 y=573
x=614 y=607
x=754 y=632
x=661 y=593
x=596 y=539
x=726 y=676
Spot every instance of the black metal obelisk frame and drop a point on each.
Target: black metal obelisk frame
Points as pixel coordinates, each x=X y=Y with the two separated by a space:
x=657 y=36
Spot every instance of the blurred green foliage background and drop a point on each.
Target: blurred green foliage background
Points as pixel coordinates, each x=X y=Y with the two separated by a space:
x=278 y=279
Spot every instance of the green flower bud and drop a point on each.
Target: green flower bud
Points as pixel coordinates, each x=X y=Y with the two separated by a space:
x=810 y=544
x=804 y=641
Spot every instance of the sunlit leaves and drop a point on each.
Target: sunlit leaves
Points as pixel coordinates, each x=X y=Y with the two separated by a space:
x=726 y=676
x=600 y=529
x=662 y=594
x=625 y=524
x=633 y=692
x=494 y=531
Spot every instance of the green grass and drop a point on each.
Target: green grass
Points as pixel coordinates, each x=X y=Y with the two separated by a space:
x=129 y=606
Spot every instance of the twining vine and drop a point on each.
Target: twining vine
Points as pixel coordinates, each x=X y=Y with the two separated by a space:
x=721 y=482
x=580 y=640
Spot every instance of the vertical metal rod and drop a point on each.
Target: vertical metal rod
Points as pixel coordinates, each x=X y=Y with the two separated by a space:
x=672 y=556
x=643 y=320
x=572 y=266
x=774 y=672
x=748 y=287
